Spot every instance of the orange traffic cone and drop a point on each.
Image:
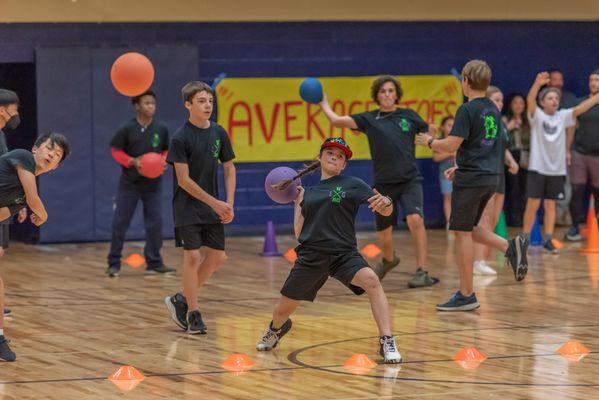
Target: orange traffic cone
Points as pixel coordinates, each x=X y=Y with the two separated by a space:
x=573 y=350
x=290 y=255
x=590 y=215
x=359 y=364
x=557 y=244
x=371 y=250
x=469 y=357
x=238 y=363
x=126 y=378
x=135 y=260
x=592 y=238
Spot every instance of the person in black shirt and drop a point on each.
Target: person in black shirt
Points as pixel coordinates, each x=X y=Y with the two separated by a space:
x=391 y=131
x=324 y=224
x=138 y=136
x=196 y=149
x=476 y=137
x=18 y=188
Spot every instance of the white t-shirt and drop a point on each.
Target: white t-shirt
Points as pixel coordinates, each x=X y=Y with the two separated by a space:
x=548 y=141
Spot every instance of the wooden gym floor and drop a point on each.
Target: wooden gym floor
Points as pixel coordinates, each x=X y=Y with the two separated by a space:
x=72 y=327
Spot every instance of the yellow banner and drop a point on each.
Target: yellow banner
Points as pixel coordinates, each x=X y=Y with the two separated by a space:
x=267 y=120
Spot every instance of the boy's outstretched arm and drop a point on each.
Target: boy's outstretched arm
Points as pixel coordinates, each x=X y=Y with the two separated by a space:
x=541 y=80
x=34 y=202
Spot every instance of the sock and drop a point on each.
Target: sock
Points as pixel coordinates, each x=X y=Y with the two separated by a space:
x=548 y=237
x=2 y=332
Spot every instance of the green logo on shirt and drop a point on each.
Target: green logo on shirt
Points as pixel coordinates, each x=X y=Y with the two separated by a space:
x=405 y=125
x=490 y=127
x=155 y=140
x=216 y=148
x=337 y=194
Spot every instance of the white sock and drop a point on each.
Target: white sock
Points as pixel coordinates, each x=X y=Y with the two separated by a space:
x=1 y=332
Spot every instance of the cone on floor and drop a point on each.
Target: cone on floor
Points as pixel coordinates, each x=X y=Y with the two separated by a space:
x=469 y=357
x=371 y=250
x=135 y=260
x=238 y=363
x=536 y=237
x=126 y=378
x=573 y=350
x=270 y=248
x=501 y=227
x=359 y=364
x=592 y=238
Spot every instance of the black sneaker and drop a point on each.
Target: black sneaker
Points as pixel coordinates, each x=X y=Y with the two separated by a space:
x=459 y=302
x=177 y=306
x=516 y=256
x=548 y=245
x=573 y=234
x=421 y=278
x=7 y=312
x=6 y=353
x=161 y=269
x=385 y=266
x=112 y=272
x=271 y=337
x=195 y=324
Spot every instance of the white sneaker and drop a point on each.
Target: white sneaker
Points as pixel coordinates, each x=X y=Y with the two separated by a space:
x=482 y=268
x=271 y=337
x=389 y=350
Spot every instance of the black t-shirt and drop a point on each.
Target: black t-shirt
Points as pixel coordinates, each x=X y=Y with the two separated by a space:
x=201 y=149
x=586 y=139
x=329 y=210
x=12 y=194
x=477 y=122
x=135 y=140
x=568 y=100
x=3 y=145
x=391 y=140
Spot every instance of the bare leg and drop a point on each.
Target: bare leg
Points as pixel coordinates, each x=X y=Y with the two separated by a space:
x=447 y=206
x=212 y=259
x=386 y=241
x=191 y=265
x=486 y=221
x=416 y=226
x=486 y=237
x=497 y=202
x=284 y=308
x=549 y=217
x=465 y=255
x=367 y=280
x=532 y=205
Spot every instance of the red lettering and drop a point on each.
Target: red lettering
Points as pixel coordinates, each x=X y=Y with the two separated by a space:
x=448 y=105
x=354 y=104
x=370 y=104
x=289 y=118
x=247 y=122
x=435 y=111
x=311 y=120
x=267 y=133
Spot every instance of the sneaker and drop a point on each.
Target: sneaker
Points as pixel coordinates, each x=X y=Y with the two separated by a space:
x=195 y=324
x=548 y=245
x=112 y=272
x=271 y=337
x=573 y=234
x=385 y=266
x=7 y=312
x=389 y=350
x=177 y=306
x=482 y=268
x=161 y=269
x=6 y=353
x=516 y=256
x=459 y=302
x=421 y=279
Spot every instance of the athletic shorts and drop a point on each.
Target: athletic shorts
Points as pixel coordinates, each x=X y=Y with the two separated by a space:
x=4 y=234
x=584 y=169
x=313 y=268
x=193 y=237
x=467 y=206
x=539 y=186
x=408 y=194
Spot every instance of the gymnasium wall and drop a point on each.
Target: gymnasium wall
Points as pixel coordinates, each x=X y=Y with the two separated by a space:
x=74 y=94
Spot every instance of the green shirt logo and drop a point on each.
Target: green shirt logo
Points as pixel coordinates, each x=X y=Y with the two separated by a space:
x=337 y=194
x=404 y=125
x=216 y=148
x=490 y=127
x=155 y=139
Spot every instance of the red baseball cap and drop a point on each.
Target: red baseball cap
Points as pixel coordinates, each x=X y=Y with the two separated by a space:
x=338 y=143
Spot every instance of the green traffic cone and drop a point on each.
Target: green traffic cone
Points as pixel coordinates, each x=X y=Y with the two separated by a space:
x=501 y=227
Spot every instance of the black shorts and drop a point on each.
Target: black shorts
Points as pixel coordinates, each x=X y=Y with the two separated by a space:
x=539 y=186
x=4 y=234
x=313 y=268
x=501 y=183
x=408 y=194
x=192 y=237
x=467 y=206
